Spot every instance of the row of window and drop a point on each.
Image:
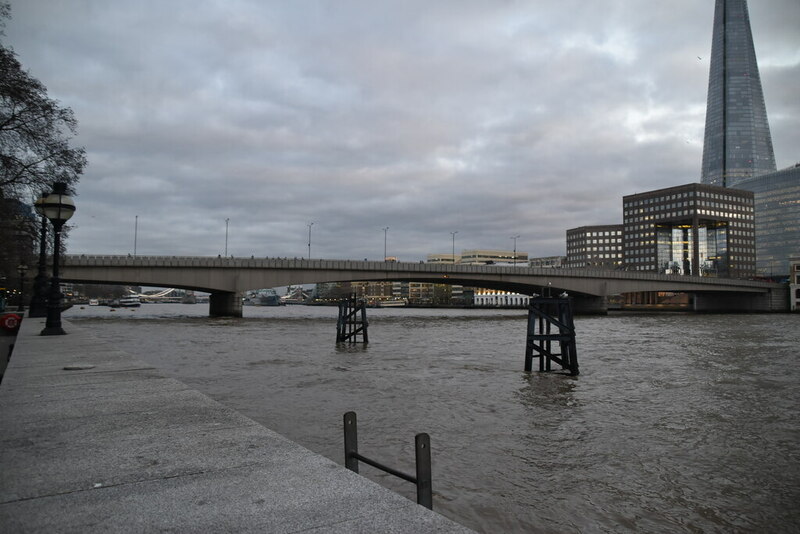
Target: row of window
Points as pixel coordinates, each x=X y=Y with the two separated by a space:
x=692 y=195
x=742 y=205
x=581 y=241
x=729 y=215
x=604 y=233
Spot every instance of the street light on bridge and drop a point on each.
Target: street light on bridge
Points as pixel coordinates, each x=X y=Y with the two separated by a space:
x=514 y=237
x=453 y=234
x=226 y=237
x=385 y=231
x=309 y=238
x=58 y=207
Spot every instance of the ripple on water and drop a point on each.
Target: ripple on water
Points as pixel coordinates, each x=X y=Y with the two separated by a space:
x=676 y=423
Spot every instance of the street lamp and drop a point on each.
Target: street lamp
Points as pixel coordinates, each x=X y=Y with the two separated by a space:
x=514 y=237
x=226 y=237
x=385 y=230
x=38 y=305
x=21 y=270
x=309 y=239
x=453 y=234
x=58 y=207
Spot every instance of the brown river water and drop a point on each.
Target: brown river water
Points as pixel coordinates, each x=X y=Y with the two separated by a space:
x=677 y=422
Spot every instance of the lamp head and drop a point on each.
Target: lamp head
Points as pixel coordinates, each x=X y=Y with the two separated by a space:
x=58 y=206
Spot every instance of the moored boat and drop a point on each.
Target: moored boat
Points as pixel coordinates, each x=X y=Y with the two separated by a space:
x=391 y=303
x=131 y=301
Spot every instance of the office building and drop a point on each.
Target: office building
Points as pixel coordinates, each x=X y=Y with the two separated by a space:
x=597 y=247
x=777 y=207
x=693 y=229
x=737 y=143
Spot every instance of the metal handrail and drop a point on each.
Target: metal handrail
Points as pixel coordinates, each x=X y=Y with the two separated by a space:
x=422 y=446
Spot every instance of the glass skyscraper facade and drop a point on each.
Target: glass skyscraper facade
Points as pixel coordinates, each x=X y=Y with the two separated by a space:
x=777 y=205
x=737 y=144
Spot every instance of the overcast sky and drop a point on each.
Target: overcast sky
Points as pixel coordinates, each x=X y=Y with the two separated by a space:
x=489 y=118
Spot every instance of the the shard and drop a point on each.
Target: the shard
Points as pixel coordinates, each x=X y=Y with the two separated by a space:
x=737 y=142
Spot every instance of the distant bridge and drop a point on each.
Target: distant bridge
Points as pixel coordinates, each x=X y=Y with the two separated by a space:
x=226 y=279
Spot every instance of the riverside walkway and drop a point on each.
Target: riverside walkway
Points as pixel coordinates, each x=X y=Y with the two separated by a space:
x=92 y=439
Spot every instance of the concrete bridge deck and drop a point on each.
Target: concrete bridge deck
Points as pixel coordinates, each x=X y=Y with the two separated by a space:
x=115 y=445
x=226 y=278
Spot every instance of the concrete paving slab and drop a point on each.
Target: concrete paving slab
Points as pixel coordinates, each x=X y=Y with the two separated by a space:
x=125 y=449
x=239 y=500
x=57 y=394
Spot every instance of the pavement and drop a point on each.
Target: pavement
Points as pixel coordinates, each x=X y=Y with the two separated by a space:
x=92 y=439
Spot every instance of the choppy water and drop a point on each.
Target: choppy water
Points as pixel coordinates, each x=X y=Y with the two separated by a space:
x=677 y=423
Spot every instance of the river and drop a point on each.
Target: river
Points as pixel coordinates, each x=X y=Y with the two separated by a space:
x=677 y=422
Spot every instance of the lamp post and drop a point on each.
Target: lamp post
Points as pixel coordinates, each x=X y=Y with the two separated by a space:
x=21 y=270
x=309 y=239
x=38 y=305
x=385 y=231
x=135 y=234
x=226 y=237
x=58 y=207
x=514 y=237
x=453 y=234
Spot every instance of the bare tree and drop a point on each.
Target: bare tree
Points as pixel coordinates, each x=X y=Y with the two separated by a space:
x=35 y=151
x=35 y=134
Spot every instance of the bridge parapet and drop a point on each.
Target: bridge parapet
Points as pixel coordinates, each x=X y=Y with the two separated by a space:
x=396 y=267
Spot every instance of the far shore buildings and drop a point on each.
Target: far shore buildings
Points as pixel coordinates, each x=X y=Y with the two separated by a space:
x=692 y=229
x=743 y=219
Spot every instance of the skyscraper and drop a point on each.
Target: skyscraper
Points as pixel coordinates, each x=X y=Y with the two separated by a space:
x=737 y=142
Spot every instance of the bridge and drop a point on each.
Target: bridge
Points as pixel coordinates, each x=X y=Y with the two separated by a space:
x=226 y=279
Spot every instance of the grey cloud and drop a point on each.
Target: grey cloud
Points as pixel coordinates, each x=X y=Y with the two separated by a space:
x=493 y=119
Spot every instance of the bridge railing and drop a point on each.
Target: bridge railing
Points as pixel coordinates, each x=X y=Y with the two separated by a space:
x=373 y=266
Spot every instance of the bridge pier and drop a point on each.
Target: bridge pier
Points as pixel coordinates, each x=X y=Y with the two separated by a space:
x=589 y=305
x=225 y=304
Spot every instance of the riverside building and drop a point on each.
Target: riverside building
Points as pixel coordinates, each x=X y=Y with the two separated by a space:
x=693 y=229
x=598 y=247
x=480 y=296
